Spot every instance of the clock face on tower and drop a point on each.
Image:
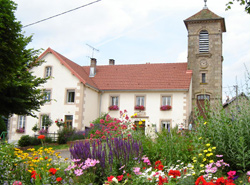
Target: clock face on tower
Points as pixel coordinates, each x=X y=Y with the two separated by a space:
x=203 y=63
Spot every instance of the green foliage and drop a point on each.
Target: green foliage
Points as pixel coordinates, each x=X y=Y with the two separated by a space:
x=245 y=3
x=24 y=141
x=2 y=125
x=64 y=135
x=167 y=146
x=17 y=84
x=229 y=131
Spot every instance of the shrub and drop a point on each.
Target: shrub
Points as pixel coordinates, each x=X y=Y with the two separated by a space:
x=77 y=135
x=2 y=125
x=25 y=140
x=64 y=135
x=34 y=141
x=229 y=132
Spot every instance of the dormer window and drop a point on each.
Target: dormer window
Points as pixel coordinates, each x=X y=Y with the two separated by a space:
x=203 y=42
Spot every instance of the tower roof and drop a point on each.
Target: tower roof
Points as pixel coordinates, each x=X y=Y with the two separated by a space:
x=205 y=15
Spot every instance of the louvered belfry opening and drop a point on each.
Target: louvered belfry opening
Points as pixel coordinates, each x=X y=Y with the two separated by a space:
x=203 y=41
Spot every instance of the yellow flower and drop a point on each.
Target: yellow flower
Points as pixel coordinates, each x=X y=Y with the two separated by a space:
x=205 y=123
x=49 y=159
x=205 y=151
x=194 y=161
x=211 y=161
x=202 y=165
x=208 y=145
x=209 y=149
x=194 y=158
x=200 y=138
x=214 y=148
x=140 y=122
x=207 y=155
x=204 y=159
x=143 y=120
x=211 y=154
x=66 y=159
x=200 y=154
x=193 y=174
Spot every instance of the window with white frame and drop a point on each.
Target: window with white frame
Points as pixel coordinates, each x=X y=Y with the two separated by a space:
x=203 y=41
x=48 y=71
x=21 y=122
x=70 y=96
x=165 y=124
x=166 y=100
x=45 y=120
x=47 y=95
x=140 y=101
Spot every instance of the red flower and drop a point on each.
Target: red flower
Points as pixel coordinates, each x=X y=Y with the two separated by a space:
x=36 y=158
x=110 y=178
x=34 y=174
x=162 y=180
x=160 y=167
x=119 y=178
x=58 y=179
x=41 y=137
x=200 y=181
x=52 y=171
x=174 y=173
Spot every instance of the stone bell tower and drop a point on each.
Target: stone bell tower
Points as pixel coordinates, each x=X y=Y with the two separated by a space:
x=205 y=58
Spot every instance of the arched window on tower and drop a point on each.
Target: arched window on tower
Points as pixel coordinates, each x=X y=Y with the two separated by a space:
x=203 y=41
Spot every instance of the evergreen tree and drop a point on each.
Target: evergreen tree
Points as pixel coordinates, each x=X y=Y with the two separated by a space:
x=19 y=93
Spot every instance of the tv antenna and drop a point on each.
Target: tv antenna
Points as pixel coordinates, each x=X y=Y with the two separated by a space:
x=93 y=50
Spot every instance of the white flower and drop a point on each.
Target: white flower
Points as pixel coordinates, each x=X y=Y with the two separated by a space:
x=115 y=180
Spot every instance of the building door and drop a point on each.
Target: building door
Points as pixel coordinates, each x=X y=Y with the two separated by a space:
x=203 y=104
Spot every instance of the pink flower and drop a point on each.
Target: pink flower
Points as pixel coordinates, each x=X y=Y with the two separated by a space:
x=102 y=121
x=248 y=173
x=137 y=171
x=92 y=125
x=78 y=172
x=219 y=155
x=231 y=173
x=17 y=183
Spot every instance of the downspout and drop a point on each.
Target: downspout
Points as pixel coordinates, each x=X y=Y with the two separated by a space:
x=100 y=104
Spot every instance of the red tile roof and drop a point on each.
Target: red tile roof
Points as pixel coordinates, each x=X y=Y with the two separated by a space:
x=162 y=76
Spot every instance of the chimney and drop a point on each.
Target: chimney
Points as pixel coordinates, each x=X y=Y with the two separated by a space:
x=111 y=62
x=92 y=71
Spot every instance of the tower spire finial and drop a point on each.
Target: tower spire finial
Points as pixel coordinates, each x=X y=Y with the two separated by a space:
x=205 y=6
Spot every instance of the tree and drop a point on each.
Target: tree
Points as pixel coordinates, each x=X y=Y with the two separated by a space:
x=19 y=92
x=246 y=3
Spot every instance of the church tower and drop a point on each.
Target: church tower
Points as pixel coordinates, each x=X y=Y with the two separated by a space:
x=205 y=56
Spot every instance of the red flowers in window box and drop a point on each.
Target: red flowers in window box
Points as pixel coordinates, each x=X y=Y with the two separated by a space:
x=113 y=107
x=166 y=107
x=139 y=107
x=20 y=130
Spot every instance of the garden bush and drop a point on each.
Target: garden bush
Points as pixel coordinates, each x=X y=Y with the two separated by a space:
x=25 y=140
x=64 y=134
x=229 y=132
x=2 y=125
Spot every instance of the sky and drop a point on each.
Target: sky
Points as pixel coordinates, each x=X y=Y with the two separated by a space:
x=135 y=32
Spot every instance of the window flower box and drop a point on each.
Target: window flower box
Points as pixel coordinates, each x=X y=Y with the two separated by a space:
x=113 y=107
x=139 y=107
x=20 y=130
x=165 y=107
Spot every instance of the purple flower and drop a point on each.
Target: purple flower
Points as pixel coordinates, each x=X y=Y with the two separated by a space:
x=219 y=155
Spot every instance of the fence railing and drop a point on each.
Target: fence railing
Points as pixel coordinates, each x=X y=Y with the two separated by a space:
x=53 y=136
